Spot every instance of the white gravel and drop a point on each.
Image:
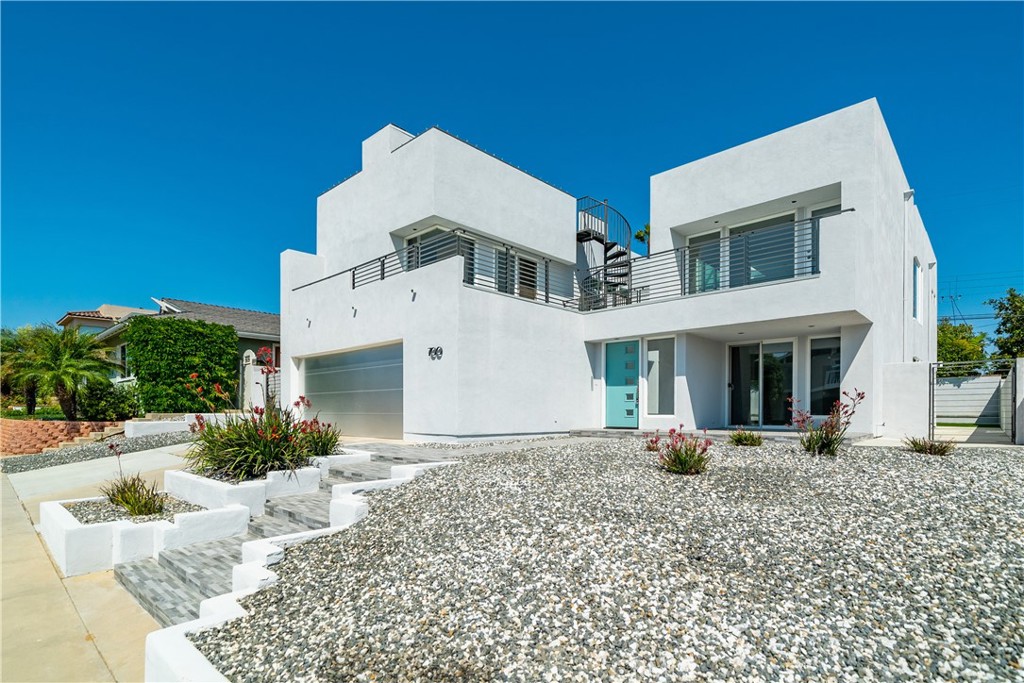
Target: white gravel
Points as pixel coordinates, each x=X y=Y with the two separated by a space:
x=98 y=511
x=90 y=451
x=586 y=562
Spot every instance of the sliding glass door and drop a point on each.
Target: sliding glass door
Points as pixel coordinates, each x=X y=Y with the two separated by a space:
x=760 y=382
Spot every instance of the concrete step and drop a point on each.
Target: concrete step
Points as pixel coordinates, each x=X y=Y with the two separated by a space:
x=362 y=471
x=268 y=526
x=313 y=510
x=206 y=567
x=327 y=483
x=159 y=591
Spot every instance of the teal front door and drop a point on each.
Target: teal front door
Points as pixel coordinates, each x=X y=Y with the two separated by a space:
x=622 y=370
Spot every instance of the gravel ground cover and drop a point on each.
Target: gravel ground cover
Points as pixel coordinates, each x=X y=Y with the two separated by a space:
x=97 y=511
x=479 y=444
x=90 y=451
x=586 y=562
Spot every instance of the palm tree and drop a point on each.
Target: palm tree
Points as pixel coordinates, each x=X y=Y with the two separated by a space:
x=13 y=343
x=61 y=361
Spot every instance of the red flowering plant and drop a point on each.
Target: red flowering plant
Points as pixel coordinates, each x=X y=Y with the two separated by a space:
x=653 y=442
x=321 y=438
x=826 y=437
x=209 y=393
x=684 y=454
x=262 y=440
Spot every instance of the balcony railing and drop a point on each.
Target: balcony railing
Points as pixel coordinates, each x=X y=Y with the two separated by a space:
x=772 y=254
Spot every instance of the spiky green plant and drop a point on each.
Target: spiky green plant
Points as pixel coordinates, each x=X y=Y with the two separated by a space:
x=135 y=495
x=745 y=437
x=929 y=446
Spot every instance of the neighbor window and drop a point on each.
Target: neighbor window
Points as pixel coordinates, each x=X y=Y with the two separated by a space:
x=661 y=372
x=825 y=370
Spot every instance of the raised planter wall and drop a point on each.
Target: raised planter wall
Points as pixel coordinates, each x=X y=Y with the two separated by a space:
x=252 y=494
x=23 y=437
x=83 y=548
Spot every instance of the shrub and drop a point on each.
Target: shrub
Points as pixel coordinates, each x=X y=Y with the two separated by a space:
x=743 y=437
x=263 y=440
x=247 y=447
x=683 y=454
x=929 y=446
x=107 y=401
x=163 y=353
x=132 y=493
x=826 y=438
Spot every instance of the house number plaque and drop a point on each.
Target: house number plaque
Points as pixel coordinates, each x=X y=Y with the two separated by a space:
x=435 y=352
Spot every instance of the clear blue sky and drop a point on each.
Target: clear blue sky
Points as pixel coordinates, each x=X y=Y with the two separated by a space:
x=176 y=149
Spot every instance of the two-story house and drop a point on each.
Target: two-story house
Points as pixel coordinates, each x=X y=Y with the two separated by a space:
x=455 y=296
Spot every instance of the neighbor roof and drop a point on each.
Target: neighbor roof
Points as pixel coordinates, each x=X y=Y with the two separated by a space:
x=254 y=324
x=111 y=312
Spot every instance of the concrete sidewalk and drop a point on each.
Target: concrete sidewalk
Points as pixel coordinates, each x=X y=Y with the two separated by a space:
x=82 y=628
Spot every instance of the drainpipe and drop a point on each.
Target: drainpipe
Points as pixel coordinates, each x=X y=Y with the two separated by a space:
x=908 y=195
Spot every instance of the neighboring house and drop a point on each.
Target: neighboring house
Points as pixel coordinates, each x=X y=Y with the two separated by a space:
x=453 y=295
x=107 y=315
x=254 y=328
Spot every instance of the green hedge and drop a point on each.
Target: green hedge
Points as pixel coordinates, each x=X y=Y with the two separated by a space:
x=164 y=352
x=105 y=401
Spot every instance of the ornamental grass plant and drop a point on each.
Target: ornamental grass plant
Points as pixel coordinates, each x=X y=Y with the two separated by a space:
x=134 y=494
x=929 y=446
x=745 y=437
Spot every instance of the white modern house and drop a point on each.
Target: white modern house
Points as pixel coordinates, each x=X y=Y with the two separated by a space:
x=455 y=296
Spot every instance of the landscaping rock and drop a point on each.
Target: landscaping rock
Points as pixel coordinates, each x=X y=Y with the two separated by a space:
x=586 y=562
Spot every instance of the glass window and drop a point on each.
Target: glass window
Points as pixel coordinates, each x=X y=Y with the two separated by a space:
x=527 y=278
x=661 y=374
x=917 y=290
x=704 y=263
x=428 y=247
x=761 y=251
x=825 y=356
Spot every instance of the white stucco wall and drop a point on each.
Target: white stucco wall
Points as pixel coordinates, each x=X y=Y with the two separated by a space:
x=905 y=407
x=435 y=178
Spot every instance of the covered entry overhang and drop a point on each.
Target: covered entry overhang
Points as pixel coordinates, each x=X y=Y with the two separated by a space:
x=716 y=377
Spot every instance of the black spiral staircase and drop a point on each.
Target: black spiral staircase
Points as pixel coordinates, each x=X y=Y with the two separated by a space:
x=604 y=238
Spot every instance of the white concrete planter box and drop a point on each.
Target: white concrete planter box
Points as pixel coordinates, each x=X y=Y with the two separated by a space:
x=150 y=427
x=82 y=548
x=211 y=493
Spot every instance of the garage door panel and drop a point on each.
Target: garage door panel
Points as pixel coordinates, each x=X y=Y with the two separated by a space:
x=358 y=379
x=358 y=391
x=388 y=401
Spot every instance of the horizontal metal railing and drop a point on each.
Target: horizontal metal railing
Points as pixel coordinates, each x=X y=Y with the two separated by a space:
x=765 y=255
x=771 y=254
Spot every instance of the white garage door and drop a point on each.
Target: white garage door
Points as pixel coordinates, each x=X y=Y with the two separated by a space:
x=359 y=391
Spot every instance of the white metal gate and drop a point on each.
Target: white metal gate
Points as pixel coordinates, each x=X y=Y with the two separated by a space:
x=974 y=401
